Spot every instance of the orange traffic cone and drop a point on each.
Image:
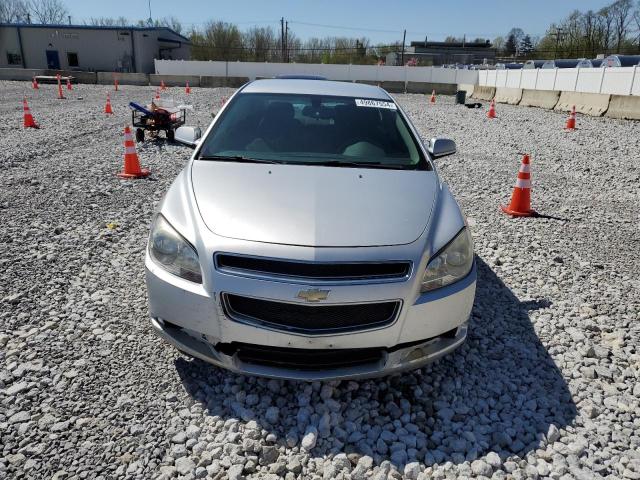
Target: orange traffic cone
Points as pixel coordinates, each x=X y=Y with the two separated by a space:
x=107 y=107
x=492 y=110
x=520 y=205
x=571 y=121
x=187 y=89
x=162 y=85
x=116 y=83
x=60 y=94
x=34 y=84
x=433 y=97
x=29 y=122
x=131 y=168
x=69 y=87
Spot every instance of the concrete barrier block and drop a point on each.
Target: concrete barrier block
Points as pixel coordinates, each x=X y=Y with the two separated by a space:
x=213 y=82
x=512 y=96
x=594 y=104
x=369 y=82
x=106 y=78
x=624 y=106
x=467 y=87
x=540 y=98
x=77 y=77
x=393 y=86
x=19 y=73
x=484 y=93
x=175 y=80
x=428 y=87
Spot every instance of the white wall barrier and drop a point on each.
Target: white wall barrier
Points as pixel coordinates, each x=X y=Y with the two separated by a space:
x=372 y=73
x=614 y=81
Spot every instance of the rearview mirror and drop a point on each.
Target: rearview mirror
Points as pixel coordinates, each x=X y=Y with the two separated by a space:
x=441 y=147
x=189 y=136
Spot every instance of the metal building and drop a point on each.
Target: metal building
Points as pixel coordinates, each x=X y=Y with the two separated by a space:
x=89 y=48
x=441 y=53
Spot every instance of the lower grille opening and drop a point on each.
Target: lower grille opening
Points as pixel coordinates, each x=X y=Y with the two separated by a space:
x=320 y=319
x=301 y=358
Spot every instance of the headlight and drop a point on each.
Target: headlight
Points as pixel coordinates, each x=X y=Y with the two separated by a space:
x=172 y=252
x=453 y=263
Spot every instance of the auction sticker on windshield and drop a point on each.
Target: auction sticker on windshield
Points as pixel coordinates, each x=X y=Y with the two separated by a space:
x=363 y=102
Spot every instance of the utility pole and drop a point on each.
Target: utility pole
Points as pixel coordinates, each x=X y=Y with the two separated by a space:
x=404 y=37
x=558 y=33
x=282 y=39
x=286 y=41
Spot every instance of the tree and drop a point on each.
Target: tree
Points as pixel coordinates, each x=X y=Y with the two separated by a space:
x=526 y=45
x=13 y=11
x=606 y=25
x=222 y=41
x=172 y=22
x=49 y=12
x=260 y=43
x=514 y=39
x=511 y=45
x=621 y=11
x=498 y=43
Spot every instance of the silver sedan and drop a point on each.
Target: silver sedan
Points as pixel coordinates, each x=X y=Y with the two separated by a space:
x=310 y=237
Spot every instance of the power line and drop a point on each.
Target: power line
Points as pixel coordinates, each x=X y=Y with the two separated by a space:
x=378 y=30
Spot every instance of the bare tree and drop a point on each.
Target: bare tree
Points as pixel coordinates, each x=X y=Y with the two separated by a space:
x=606 y=26
x=13 y=11
x=636 y=19
x=102 y=21
x=260 y=42
x=221 y=41
x=621 y=11
x=48 y=11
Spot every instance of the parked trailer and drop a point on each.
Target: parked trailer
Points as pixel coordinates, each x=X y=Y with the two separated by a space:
x=529 y=64
x=621 y=61
x=562 y=63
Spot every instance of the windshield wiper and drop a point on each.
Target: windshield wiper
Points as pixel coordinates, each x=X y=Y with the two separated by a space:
x=235 y=158
x=339 y=163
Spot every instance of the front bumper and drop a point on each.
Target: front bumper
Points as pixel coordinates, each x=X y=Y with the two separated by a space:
x=397 y=360
x=192 y=319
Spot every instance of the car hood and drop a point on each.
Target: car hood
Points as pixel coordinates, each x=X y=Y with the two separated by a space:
x=313 y=206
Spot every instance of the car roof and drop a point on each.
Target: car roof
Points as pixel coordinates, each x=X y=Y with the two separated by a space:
x=316 y=87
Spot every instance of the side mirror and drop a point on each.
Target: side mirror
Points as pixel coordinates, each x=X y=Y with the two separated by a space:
x=189 y=136
x=441 y=147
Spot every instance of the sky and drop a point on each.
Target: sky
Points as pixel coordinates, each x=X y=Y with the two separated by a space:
x=380 y=21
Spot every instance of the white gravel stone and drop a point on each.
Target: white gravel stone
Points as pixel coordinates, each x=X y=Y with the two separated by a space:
x=412 y=470
x=184 y=465
x=235 y=472
x=192 y=431
x=309 y=439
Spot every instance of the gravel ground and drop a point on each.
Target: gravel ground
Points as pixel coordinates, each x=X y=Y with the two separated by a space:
x=545 y=387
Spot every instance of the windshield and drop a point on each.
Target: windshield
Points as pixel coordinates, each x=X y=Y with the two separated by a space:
x=313 y=129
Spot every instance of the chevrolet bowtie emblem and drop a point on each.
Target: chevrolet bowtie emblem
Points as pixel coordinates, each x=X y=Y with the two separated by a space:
x=313 y=294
